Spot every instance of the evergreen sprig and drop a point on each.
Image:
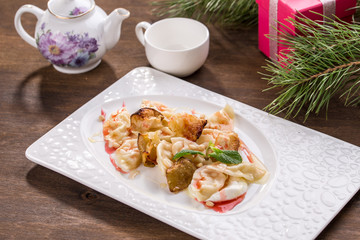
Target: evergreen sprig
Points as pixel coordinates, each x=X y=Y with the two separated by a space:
x=324 y=61
x=227 y=13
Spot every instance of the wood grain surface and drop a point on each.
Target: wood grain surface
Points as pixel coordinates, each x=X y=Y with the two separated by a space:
x=37 y=203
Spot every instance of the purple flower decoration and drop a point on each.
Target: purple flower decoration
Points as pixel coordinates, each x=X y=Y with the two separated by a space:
x=74 y=50
x=80 y=60
x=88 y=44
x=77 y=11
x=56 y=48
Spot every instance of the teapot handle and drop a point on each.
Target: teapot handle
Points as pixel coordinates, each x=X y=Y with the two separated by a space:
x=139 y=31
x=19 y=28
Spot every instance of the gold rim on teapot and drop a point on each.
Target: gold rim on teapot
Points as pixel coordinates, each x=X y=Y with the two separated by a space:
x=73 y=16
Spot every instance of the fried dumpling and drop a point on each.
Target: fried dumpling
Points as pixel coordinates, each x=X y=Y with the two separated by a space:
x=165 y=110
x=180 y=174
x=187 y=125
x=146 y=120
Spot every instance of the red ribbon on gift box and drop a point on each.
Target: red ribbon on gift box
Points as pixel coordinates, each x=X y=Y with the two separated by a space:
x=329 y=7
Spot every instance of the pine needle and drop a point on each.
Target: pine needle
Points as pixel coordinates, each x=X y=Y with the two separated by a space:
x=324 y=61
x=226 y=13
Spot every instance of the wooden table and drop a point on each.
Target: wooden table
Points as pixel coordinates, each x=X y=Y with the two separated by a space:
x=37 y=203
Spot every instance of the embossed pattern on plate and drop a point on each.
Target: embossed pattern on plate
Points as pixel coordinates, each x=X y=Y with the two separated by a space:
x=316 y=174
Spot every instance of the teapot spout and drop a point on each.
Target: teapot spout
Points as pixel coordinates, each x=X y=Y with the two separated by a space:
x=112 y=26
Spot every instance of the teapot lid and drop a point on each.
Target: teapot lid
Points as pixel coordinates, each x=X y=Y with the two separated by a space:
x=67 y=9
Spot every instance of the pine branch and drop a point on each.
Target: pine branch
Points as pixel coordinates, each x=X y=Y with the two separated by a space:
x=227 y=13
x=323 y=62
x=329 y=70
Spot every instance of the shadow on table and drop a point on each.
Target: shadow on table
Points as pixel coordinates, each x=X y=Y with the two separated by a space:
x=72 y=197
x=49 y=92
x=206 y=78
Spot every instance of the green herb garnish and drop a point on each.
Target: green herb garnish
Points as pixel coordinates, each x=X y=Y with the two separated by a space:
x=224 y=156
x=186 y=152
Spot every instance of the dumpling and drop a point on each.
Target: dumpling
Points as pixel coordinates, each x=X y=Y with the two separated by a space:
x=187 y=125
x=166 y=111
x=225 y=140
x=147 y=146
x=145 y=120
x=249 y=171
x=211 y=184
x=166 y=134
x=222 y=120
x=164 y=156
x=117 y=128
x=180 y=143
x=180 y=174
x=206 y=181
x=234 y=188
x=127 y=156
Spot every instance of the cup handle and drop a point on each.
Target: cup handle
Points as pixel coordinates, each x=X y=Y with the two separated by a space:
x=139 y=31
x=28 y=8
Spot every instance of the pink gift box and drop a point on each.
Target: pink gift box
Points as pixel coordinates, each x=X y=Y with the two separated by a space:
x=274 y=12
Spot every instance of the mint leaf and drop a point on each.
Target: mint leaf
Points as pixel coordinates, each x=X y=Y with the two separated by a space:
x=186 y=152
x=226 y=156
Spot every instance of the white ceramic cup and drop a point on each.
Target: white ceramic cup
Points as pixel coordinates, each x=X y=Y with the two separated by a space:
x=178 y=46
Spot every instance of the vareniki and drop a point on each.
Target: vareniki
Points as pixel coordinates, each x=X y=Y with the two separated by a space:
x=203 y=155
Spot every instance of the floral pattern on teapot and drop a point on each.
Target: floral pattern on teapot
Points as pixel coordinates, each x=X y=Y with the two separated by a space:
x=78 y=10
x=72 y=35
x=69 y=49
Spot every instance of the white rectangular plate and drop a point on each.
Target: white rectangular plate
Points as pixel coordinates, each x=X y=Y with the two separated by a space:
x=313 y=175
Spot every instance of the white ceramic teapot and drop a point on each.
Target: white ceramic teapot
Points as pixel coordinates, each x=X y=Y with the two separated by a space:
x=73 y=34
